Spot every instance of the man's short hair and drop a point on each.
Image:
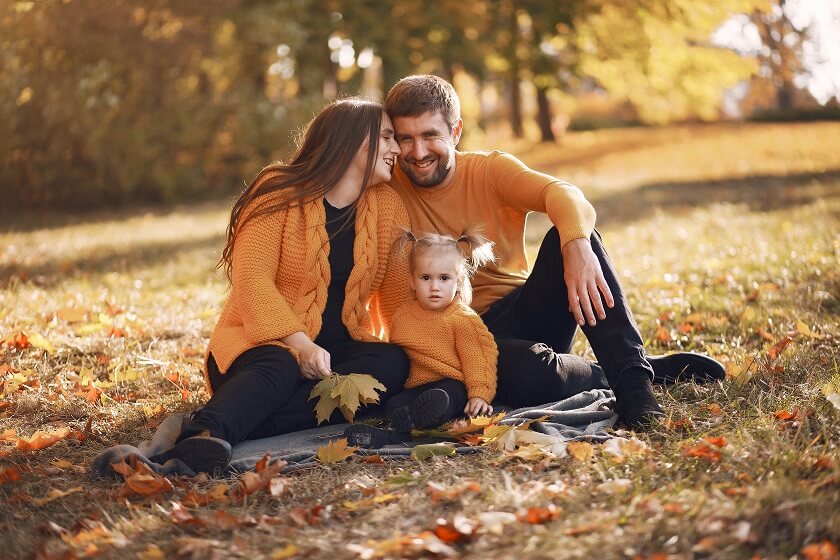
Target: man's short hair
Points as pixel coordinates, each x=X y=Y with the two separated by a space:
x=415 y=95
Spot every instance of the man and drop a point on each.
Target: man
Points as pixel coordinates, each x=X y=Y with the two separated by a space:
x=533 y=315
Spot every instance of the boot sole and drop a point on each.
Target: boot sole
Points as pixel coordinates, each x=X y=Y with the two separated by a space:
x=426 y=411
x=202 y=454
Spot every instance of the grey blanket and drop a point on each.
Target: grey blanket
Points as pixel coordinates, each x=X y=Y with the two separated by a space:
x=586 y=415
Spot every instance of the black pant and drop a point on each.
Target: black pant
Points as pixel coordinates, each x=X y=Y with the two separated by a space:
x=454 y=389
x=534 y=330
x=263 y=393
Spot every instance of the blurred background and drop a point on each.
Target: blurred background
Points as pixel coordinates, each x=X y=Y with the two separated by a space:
x=110 y=103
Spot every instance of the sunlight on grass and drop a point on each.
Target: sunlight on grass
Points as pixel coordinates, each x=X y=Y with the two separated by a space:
x=749 y=273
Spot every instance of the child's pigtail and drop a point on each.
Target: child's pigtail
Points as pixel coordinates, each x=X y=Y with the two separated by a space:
x=480 y=248
x=406 y=239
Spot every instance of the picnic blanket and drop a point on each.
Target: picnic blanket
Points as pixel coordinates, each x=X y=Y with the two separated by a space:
x=586 y=415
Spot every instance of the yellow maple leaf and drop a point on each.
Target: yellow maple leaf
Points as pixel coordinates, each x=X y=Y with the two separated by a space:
x=39 y=341
x=580 y=451
x=335 y=451
x=346 y=392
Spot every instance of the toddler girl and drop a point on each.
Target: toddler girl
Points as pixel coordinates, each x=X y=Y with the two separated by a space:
x=452 y=354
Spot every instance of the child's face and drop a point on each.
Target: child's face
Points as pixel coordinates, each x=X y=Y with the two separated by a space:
x=435 y=279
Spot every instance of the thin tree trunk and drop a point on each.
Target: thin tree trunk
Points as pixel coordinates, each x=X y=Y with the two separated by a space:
x=544 y=116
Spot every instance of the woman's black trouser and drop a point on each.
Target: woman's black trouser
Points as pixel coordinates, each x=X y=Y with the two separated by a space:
x=263 y=394
x=534 y=330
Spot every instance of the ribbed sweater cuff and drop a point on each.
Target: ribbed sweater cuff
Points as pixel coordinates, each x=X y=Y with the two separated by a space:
x=575 y=232
x=485 y=393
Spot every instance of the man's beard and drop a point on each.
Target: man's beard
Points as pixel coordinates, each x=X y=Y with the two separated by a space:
x=433 y=180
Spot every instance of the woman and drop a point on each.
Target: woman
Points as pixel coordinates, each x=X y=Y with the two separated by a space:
x=312 y=285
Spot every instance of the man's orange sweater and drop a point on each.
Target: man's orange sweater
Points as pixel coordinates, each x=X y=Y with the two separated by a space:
x=452 y=343
x=280 y=275
x=497 y=190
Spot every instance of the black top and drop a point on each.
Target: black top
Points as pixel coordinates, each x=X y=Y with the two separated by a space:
x=333 y=330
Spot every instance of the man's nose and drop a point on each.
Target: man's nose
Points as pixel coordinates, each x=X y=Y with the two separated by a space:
x=418 y=150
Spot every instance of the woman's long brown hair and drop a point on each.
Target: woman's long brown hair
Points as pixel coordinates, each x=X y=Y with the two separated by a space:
x=325 y=151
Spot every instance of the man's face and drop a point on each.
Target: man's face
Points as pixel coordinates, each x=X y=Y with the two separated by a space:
x=427 y=148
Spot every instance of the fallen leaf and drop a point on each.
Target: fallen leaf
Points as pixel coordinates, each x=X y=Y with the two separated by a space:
x=459 y=530
x=216 y=494
x=580 y=451
x=804 y=329
x=439 y=492
x=55 y=494
x=10 y=474
x=145 y=482
x=620 y=448
x=709 y=449
x=151 y=552
x=335 y=451
x=304 y=517
x=39 y=341
x=261 y=476
x=825 y=550
x=367 y=503
x=539 y=515
x=287 y=551
x=422 y=452
x=776 y=350
x=373 y=459
x=405 y=546
x=40 y=440
x=831 y=391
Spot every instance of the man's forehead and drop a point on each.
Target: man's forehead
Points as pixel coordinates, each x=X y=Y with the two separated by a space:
x=430 y=120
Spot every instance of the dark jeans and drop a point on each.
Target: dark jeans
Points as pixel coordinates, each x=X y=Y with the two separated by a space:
x=263 y=394
x=454 y=388
x=534 y=330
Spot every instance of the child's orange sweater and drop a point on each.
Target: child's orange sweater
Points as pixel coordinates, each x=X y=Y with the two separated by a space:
x=452 y=343
x=280 y=275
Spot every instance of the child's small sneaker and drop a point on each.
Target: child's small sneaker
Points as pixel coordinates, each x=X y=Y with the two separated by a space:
x=426 y=411
x=202 y=452
x=371 y=437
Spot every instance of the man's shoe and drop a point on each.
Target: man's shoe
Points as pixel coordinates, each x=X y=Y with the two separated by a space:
x=371 y=437
x=202 y=453
x=426 y=411
x=685 y=366
x=635 y=401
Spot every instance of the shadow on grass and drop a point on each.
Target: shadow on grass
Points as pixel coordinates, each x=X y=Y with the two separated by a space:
x=116 y=259
x=761 y=193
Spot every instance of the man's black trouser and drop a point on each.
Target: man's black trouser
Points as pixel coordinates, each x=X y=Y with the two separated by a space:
x=263 y=394
x=534 y=330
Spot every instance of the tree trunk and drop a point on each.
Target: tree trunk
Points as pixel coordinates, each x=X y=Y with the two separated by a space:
x=515 y=94
x=544 y=115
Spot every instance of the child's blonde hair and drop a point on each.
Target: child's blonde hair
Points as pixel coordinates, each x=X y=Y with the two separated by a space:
x=473 y=249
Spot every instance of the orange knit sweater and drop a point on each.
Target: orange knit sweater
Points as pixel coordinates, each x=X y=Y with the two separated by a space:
x=497 y=190
x=452 y=343
x=280 y=275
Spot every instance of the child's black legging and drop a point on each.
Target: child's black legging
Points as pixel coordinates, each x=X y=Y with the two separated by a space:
x=455 y=389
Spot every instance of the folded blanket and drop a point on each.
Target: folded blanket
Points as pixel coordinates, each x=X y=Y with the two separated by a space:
x=586 y=415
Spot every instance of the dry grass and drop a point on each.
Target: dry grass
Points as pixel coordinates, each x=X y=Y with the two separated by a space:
x=725 y=237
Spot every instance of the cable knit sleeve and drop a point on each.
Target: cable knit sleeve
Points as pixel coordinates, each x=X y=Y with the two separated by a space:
x=265 y=313
x=394 y=290
x=478 y=354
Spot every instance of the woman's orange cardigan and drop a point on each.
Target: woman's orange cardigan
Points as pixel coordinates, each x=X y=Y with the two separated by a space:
x=280 y=274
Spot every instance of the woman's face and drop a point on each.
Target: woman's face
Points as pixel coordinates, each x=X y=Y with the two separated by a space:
x=386 y=154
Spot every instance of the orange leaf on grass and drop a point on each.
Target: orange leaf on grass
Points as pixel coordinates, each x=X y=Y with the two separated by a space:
x=217 y=494
x=539 y=515
x=460 y=529
x=709 y=449
x=145 y=482
x=40 y=440
x=17 y=341
x=776 y=350
x=11 y=474
x=825 y=550
x=784 y=415
x=261 y=476
x=335 y=451
x=373 y=459
x=4 y=405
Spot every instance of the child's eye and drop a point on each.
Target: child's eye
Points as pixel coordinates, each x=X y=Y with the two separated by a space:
x=444 y=277
x=424 y=277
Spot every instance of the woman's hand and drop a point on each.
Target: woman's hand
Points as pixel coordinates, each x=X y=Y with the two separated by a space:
x=314 y=360
x=477 y=407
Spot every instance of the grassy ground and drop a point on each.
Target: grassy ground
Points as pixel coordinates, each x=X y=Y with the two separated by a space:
x=727 y=239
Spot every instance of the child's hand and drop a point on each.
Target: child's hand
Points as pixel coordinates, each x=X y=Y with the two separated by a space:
x=477 y=407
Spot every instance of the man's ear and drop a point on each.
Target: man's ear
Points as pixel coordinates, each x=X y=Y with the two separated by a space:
x=456 y=132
